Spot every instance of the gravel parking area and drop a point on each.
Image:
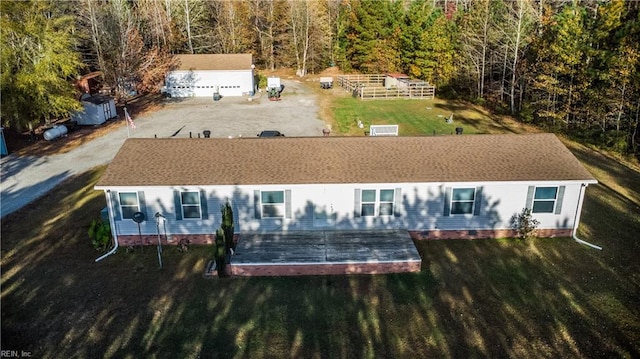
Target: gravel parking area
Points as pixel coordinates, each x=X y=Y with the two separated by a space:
x=26 y=178
x=294 y=115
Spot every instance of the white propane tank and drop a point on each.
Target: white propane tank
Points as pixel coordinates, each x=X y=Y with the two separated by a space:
x=55 y=132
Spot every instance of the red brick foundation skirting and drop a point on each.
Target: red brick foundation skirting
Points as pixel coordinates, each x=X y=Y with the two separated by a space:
x=173 y=239
x=322 y=269
x=483 y=233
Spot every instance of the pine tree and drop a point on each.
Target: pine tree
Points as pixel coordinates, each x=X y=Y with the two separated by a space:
x=373 y=36
x=440 y=64
x=414 y=49
x=39 y=63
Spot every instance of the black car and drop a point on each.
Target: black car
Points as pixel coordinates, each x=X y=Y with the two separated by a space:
x=271 y=134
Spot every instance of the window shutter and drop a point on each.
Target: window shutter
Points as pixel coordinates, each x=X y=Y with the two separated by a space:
x=559 y=200
x=177 y=202
x=287 y=203
x=143 y=204
x=115 y=203
x=397 y=206
x=356 y=203
x=447 y=202
x=477 y=206
x=204 y=206
x=256 y=204
x=530 y=192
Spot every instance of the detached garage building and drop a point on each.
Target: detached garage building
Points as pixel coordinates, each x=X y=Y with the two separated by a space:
x=203 y=75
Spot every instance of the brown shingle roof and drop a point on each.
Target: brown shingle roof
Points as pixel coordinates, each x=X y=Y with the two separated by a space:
x=468 y=158
x=213 y=62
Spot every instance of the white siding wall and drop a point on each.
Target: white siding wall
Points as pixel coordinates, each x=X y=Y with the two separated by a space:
x=201 y=83
x=422 y=208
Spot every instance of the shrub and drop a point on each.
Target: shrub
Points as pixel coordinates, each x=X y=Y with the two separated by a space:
x=524 y=224
x=220 y=255
x=227 y=226
x=100 y=234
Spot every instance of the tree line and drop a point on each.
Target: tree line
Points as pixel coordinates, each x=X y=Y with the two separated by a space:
x=568 y=66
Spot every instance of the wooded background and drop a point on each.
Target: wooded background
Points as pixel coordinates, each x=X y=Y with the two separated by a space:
x=567 y=66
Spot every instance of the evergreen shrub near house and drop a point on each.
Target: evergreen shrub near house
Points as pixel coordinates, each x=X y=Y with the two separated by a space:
x=227 y=226
x=524 y=224
x=224 y=239
x=220 y=253
x=100 y=234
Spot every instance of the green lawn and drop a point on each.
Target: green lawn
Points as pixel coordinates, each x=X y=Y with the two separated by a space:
x=414 y=117
x=483 y=298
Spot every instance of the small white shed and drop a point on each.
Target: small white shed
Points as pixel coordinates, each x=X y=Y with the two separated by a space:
x=96 y=110
x=392 y=79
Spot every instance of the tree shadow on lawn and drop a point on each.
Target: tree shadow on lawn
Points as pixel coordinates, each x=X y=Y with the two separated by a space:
x=465 y=113
x=486 y=298
x=526 y=299
x=621 y=177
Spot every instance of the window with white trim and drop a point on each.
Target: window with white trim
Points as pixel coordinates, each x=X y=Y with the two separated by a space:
x=272 y=204
x=544 y=199
x=190 y=202
x=462 y=200
x=377 y=202
x=128 y=204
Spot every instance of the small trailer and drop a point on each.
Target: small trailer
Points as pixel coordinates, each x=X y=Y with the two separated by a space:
x=274 y=88
x=273 y=83
x=326 y=82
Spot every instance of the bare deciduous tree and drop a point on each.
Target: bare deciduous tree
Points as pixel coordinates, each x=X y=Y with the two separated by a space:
x=232 y=32
x=309 y=29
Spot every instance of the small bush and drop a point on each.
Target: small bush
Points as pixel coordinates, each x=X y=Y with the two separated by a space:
x=262 y=81
x=524 y=224
x=100 y=234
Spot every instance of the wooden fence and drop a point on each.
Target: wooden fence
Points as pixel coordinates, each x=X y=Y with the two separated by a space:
x=371 y=87
x=353 y=82
x=377 y=93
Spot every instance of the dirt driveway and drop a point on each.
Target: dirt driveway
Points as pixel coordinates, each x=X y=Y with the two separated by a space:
x=26 y=178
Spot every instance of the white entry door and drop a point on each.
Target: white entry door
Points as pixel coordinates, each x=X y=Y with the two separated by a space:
x=324 y=214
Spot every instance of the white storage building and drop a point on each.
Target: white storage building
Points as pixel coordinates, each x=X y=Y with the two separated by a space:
x=96 y=110
x=201 y=75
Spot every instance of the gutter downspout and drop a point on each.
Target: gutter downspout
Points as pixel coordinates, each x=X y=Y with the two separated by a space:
x=576 y=221
x=112 y=223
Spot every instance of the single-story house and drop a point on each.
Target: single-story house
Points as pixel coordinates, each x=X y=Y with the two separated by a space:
x=205 y=74
x=434 y=187
x=96 y=109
